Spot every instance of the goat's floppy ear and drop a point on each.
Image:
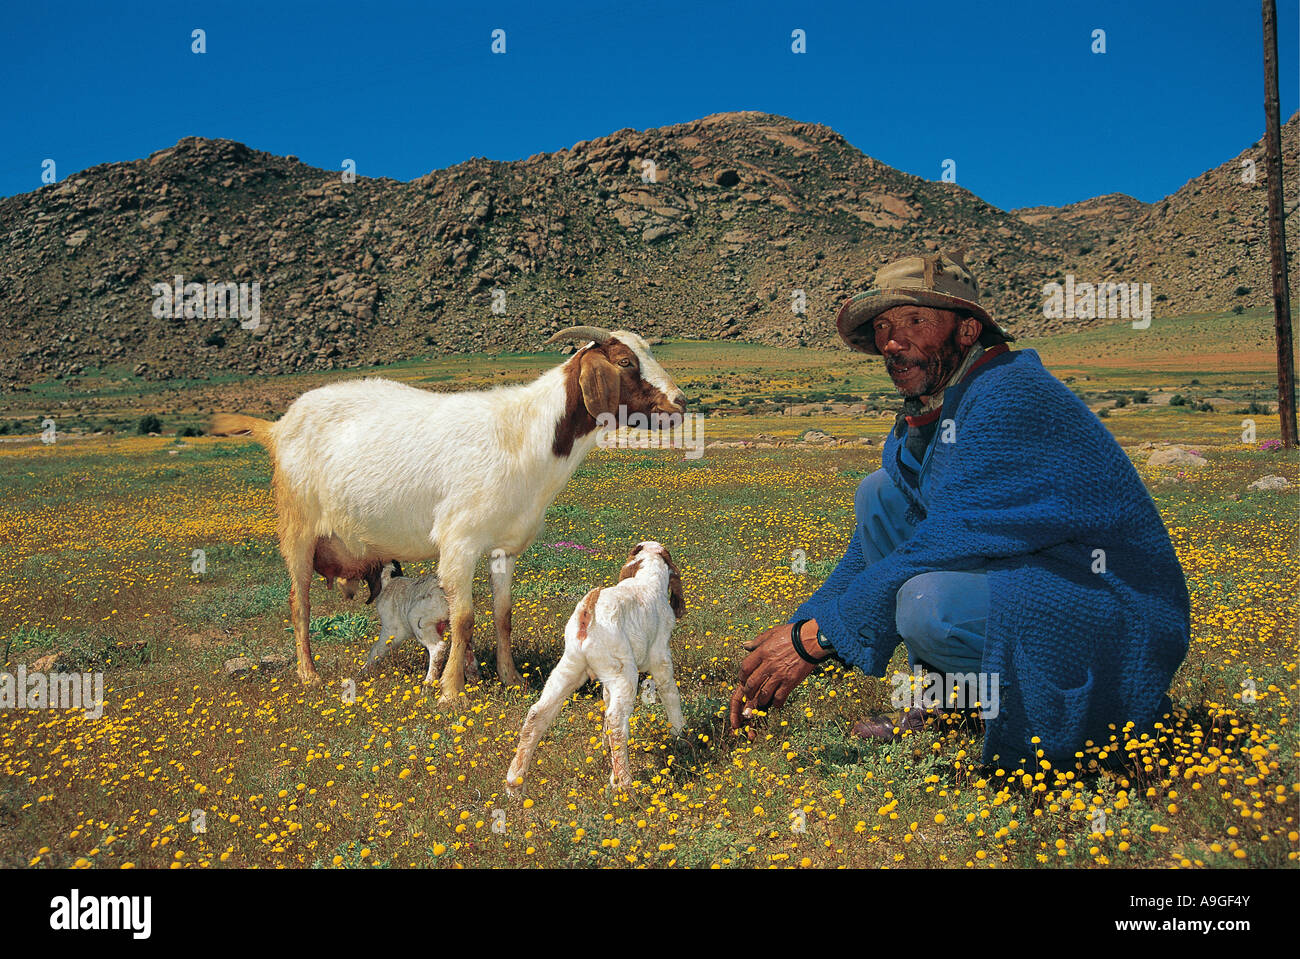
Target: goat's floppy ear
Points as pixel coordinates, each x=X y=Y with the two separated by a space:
x=675 y=596
x=599 y=380
x=374 y=580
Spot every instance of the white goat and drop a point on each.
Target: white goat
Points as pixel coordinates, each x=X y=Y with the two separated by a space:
x=613 y=635
x=414 y=607
x=370 y=470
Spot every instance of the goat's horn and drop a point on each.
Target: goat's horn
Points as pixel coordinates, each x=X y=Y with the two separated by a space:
x=582 y=333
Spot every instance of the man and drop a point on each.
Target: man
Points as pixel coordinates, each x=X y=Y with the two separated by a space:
x=1007 y=537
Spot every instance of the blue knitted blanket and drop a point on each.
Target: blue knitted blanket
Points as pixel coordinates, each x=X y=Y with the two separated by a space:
x=1029 y=485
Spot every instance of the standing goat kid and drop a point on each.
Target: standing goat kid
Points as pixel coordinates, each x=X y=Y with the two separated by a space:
x=371 y=470
x=613 y=635
x=414 y=607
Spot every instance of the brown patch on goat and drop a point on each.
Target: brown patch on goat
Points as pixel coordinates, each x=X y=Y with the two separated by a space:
x=599 y=379
x=575 y=421
x=586 y=610
x=632 y=566
x=676 y=598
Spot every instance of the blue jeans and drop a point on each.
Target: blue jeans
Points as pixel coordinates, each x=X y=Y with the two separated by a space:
x=941 y=616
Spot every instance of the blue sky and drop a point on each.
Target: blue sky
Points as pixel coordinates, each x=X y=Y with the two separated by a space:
x=1009 y=90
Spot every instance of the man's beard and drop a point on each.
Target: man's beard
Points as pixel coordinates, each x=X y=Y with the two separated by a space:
x=937 y=370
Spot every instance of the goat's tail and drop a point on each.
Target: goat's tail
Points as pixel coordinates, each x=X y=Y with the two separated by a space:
x=586 y=611
x=236 y=424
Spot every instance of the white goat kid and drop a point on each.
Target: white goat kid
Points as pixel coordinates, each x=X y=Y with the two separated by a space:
x=414 y=607
x=366 y=471
x=614 y=635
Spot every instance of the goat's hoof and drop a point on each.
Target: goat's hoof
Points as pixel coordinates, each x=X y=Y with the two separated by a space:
x=309 y=678
x=511 y=677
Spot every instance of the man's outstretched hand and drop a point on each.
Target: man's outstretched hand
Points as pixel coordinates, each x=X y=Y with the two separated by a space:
x=772 y=670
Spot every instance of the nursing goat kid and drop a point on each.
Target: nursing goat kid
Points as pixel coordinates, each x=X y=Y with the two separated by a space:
x=614 y=634
x=370 y=470
x=411 y=607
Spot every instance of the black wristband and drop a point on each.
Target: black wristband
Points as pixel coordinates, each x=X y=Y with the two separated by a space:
x=798 y=644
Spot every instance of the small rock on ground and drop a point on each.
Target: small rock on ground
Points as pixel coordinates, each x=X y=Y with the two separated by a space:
x=1177 y=456
x=1270 y=482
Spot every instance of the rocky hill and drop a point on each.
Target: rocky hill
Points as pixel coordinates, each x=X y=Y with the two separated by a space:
x=705 y=229
x=1202 y=248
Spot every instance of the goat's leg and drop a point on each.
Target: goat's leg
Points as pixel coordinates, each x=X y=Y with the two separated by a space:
x=472 y=675
x=456 y=577
x=622 y=698
x=377 y=650
x=396 y=635
x=437 y=659
x=298 y=550
x=568 y=675
x=503 y=570
x=428 y=633
x=661 y=670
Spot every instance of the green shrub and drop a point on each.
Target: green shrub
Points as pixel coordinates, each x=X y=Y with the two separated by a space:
x=149 y=424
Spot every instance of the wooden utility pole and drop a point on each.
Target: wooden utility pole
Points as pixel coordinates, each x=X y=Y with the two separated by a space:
x=1277 y=235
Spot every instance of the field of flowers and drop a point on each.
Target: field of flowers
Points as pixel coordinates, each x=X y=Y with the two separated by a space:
x=190 y=767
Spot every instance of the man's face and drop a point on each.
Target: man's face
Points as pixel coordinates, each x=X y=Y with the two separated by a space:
x=922 y=345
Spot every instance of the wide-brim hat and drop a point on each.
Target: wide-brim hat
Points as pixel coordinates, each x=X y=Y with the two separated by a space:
x=938 y=280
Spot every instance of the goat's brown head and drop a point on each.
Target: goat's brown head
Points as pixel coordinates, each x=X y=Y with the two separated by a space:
x=613 y=370
x=633 y=565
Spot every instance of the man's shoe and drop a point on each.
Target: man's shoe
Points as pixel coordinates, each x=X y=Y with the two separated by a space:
x=888 y=729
